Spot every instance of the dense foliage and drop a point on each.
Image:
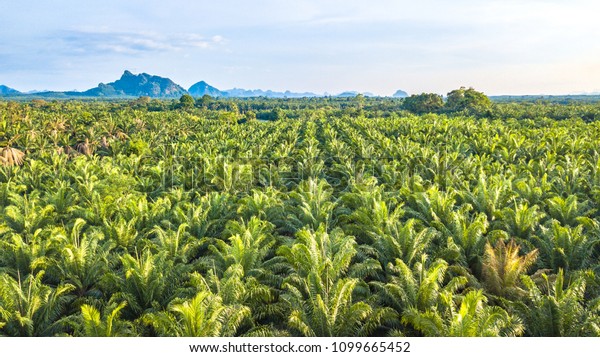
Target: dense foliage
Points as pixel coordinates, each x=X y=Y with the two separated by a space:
x=341 y=217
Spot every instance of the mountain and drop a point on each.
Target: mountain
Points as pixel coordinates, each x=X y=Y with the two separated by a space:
x=400 y=94
x=135 y=85
x=353 y=93
x=202 y=88
x=143 y=84
x=251 y=93
x=4 y=90
x=348 y=94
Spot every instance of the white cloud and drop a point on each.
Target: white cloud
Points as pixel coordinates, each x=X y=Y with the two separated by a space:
x=132 y=43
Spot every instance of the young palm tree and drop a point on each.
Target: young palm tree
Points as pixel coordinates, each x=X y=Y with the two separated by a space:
x=177 y=244
x=469 y=236
x=148 y=282
x=93 y=323
x=318 y=292
x=368 y=211
x=204 y=315
x=503 y=266
x=403 y=241
x=264 y=204
x=10 y=156
x=61 y=196
x=533 y=189
x=521 y=221
x=121 y=232
x=433 y=208
x=238 y=271
x=26 y=214
x=472 y=317
x=556 y=307
x=335 y=314
x=83 y=260
x=567 y=211
x=312 y=204
x=34 y=254
x=421 y=288
x=28 y=307
x=568 y=248
x=248 y=245
x=230 y=176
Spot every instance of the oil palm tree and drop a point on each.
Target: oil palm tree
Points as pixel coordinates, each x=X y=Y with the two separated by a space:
x=311 y=204
x=319 y=293
x=558 y=307
x=204 y=315
x=178 y=245
x=238 y=271
x=468 y=235
x=147 y=281
x=248 y=244
x=28 y=307
x=403 y=241
x=503 y=266
x=489 y=195
x=433 y=208
x=83 y=260
x=264 y=204
x=26 y=214
x=566 y=247
x=94 y=323
x=469 y=318
x=521 y=221
x=368 y=212
x=11 y=156
x=567 y=211
x=420 y=288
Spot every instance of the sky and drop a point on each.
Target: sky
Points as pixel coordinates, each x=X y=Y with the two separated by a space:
x=322 y=46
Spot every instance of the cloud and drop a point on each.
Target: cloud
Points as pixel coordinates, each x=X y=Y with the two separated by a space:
x=133 y=43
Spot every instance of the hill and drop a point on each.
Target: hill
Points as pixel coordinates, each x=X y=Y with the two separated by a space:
x=202 y=88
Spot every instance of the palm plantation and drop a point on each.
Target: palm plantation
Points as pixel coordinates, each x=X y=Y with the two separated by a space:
x=339 y=219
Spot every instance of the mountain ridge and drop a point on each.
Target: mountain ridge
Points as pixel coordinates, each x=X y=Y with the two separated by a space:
x=144 y=84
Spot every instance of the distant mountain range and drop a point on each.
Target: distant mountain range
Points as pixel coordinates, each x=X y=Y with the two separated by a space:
x=250 y=93
x=202 y=88
x=132 y=85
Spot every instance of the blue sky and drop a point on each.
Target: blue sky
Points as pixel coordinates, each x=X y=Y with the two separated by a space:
x=378 y=46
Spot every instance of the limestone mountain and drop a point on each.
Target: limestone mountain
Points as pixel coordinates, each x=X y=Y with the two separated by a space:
x=137 y=85
x=202 y=88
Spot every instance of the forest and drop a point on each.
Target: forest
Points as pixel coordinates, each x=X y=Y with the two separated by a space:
x=422 y=216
